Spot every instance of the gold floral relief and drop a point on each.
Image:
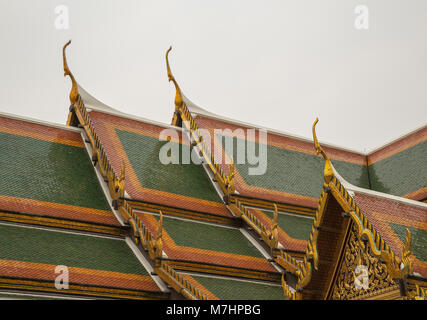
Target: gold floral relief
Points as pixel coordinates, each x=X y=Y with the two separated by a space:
x=361 y=274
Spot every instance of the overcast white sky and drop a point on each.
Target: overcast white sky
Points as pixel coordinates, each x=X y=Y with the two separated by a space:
x=277 y=64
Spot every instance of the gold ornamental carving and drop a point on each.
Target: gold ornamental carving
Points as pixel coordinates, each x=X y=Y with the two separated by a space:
x=348 y=282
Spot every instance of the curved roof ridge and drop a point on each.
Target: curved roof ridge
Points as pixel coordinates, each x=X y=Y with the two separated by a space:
x=39 y=122
x=193 y=108
x=94 y=104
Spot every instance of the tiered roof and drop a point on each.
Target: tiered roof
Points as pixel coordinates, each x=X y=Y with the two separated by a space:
x=54 y=212
x=142 y=229
x=199 y=233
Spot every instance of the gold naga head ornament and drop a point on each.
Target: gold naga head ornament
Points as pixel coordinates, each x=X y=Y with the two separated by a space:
x=74 y=90
x=328 y=172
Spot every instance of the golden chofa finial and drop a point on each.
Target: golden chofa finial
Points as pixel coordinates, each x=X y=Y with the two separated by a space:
x=328 y=172
x=74 y=91
x=178 y=96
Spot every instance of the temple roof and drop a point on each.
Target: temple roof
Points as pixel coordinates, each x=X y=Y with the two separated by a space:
x=49 y=185
x=141 y=228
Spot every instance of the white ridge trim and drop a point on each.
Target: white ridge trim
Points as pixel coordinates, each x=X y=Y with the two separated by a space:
x=194 y=109
x=39 y=122
x=101 y=181
x=260 y=248
x=132 y=117
x=146 y=265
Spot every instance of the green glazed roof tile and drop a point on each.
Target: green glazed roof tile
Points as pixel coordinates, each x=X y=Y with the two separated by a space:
x=296 y=172
x=46 y=171
x=226 y=289
x=71 y=250
x=184 y=179
x=209 y=237
x=401 y=173
x=419 y=239
x=295 y=226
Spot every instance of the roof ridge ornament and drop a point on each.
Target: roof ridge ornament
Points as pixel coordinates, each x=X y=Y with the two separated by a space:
x=155 y=246
x=178 y=96
x=406 y=253
x=328 y=172
x=74 y=89
x=399 y=268
x=274 y=232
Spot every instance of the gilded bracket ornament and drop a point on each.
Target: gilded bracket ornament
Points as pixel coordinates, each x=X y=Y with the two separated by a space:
x=74 y=90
